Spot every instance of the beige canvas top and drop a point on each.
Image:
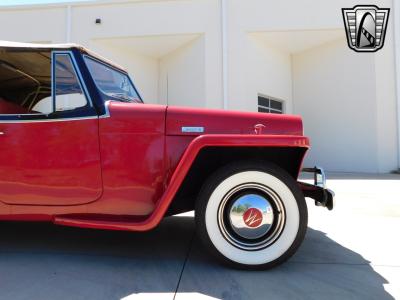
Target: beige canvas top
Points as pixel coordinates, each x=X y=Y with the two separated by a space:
x=7 y=44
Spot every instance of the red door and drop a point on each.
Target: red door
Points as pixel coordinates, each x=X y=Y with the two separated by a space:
x=50 y=162
x=49 y=139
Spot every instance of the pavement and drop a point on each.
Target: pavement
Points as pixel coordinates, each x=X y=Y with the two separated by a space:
x=352 y=252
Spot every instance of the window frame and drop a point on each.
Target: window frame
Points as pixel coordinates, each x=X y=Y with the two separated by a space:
x=269 y=107
x=87 y=112
x=104 y=94
x=79 y=76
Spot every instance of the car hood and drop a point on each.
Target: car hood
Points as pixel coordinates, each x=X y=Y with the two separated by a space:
x=197 y=121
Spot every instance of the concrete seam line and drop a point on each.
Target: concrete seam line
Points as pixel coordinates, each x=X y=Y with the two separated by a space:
x=184 y=263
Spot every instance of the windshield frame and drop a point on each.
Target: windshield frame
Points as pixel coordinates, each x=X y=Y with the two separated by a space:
x=115 y=98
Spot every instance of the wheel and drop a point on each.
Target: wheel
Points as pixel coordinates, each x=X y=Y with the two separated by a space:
x=251 y=215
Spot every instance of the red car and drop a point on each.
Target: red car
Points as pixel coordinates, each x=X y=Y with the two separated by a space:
x=80 y=148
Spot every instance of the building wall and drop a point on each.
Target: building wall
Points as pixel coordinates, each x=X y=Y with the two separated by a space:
x=262 y=70
x=385 y=82
x=154 y=19
x=335 y=92
x=291 y=50
x=35 y=25
x=182 y=76
x=344 y=96
x=347 y=100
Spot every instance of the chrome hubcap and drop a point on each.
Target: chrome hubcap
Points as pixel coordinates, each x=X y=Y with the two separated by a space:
x=251 y=216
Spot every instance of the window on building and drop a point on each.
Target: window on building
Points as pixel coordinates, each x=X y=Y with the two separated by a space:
x=270 y=105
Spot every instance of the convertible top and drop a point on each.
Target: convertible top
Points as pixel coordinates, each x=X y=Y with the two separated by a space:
x=50 y=47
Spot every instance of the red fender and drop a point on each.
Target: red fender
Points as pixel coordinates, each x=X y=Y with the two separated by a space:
x=215 y=140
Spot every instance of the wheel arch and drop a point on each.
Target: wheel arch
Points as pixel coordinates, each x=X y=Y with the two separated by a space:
x=211 y=158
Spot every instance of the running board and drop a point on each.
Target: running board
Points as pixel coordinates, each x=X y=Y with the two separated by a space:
x=126 y=223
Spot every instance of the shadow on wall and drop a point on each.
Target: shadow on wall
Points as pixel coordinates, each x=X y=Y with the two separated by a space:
x=42 y=261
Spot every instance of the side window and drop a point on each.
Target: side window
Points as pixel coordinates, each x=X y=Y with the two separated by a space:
x=38 y=83
x=44 y=106
x=112 y=82
x=68 y=91
x=25 y=80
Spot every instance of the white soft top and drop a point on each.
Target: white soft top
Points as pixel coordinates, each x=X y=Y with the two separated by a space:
x=8 y=44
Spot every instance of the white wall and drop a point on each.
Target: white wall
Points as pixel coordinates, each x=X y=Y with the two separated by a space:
x=386 y=105
x=182 y=76
x=268 y=72
x=261 y=69
x=159 y=18
x=334 y=90
x=34 y=25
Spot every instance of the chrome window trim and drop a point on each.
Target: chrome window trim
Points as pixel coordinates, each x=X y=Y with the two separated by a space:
x=82 y=85
x=78 y=73
x=50 y=120
x=106 y=109
x=38 y=114
x=52 y=84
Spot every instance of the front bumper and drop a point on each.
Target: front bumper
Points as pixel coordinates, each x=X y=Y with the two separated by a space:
x=322 y=196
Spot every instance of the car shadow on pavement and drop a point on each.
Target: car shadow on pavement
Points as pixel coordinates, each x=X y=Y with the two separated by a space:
x=42 y=261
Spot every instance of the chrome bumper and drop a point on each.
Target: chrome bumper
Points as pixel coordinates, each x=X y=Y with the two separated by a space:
x=322 y=196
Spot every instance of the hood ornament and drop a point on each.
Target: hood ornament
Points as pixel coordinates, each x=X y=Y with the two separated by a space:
x=258 y=128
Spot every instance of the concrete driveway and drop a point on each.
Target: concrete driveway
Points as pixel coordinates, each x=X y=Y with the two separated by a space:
x=352 y=252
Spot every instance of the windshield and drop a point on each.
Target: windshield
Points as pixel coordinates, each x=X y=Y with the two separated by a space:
x=111 y=82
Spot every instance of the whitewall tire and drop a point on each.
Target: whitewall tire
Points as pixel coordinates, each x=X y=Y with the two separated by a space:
x=251 y=215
